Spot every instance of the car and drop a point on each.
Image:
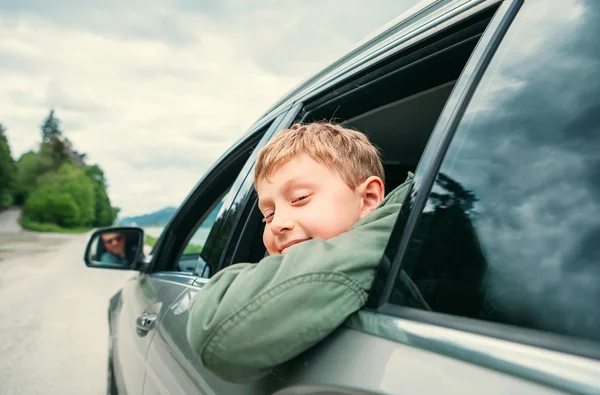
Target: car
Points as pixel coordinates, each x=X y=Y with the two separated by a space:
x=495 y=107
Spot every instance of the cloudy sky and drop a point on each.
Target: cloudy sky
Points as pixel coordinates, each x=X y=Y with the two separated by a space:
x=155 y=91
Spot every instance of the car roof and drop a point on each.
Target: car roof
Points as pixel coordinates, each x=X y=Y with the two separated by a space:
x=400 y=29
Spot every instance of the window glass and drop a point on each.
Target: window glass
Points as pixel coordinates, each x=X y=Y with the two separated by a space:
x=191 y=254
x=511 y=230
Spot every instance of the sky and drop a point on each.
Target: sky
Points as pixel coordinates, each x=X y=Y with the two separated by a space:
x=155 y=91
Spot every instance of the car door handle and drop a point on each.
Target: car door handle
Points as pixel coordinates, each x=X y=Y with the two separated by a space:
x=144 y=323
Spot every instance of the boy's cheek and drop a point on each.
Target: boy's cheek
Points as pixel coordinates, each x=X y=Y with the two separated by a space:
x=268 y=242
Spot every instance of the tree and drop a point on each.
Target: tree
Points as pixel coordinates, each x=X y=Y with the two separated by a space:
x=55 y=149
x=56 y=186
x=65 y=197
x=28 y=170
x=105 y=215
x=7 y=171
x=48 y=205
x=51 y=128
x=96 y=174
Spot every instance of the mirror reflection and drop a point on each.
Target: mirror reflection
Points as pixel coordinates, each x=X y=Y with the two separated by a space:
x=116 y=247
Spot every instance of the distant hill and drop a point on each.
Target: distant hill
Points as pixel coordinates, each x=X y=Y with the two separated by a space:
x=162 y=217
x=158 y=218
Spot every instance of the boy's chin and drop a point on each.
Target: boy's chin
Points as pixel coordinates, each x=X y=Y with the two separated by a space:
x=278 y=253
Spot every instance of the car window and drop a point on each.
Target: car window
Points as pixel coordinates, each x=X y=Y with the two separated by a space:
x=510 y=230
x=191 y=256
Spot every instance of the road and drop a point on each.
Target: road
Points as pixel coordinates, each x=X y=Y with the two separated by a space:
x=53 y=326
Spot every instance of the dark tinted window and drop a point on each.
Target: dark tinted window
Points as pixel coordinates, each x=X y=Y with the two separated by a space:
x=511 y=229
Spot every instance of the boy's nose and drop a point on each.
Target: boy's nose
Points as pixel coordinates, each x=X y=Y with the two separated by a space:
x=281 y=225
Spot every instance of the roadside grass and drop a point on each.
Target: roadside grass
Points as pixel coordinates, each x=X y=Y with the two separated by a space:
x=192 y=249
x=189 y=249
x=50 y=228
x=150 y=241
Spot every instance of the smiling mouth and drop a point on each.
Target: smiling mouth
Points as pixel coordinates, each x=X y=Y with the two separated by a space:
x=291 y=243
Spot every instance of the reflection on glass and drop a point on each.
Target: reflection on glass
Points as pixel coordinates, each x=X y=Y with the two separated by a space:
x=116 y=247
x=511 y=230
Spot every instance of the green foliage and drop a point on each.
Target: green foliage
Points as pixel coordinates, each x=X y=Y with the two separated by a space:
x=52 y=155
x=28 y=170
x=8 y=171
x=52 y=228
x=96 y=174
x=192 y=249
x=150 y=240
x=189 y=249
x=54 y=148
x=51 y=128
x=55 y=186
x=104 y=213
x=65 y=197
x=50 y=205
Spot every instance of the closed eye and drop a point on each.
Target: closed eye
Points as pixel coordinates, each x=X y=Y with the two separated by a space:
x=299 y=199
x=267 y=218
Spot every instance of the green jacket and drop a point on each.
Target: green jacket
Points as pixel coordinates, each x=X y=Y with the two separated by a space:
x=250 y=318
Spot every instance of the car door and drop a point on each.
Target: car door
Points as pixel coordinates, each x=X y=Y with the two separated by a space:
x=146 y=298
x=139 y=303
x=171 y=365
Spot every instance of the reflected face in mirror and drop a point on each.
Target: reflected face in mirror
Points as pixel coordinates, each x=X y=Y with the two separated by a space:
x=116 y=247
x=119 y=246
x=114 y=243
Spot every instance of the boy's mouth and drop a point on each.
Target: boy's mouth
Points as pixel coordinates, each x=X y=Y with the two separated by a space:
x=291 y=243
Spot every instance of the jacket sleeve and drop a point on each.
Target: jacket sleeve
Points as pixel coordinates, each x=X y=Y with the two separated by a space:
x=251 y=317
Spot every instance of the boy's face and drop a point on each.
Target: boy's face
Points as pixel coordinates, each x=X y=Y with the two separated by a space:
x=305 y=200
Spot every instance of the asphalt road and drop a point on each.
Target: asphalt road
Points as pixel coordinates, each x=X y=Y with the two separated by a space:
x=53 y=328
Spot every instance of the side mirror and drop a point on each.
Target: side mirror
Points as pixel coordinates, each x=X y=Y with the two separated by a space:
x=118 y=248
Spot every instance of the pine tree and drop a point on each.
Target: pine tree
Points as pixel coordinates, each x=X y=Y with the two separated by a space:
x=7 y=171
x=51 y=128
x=55 y=150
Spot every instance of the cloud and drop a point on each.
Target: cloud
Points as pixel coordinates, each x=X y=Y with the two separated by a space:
x=155 y=91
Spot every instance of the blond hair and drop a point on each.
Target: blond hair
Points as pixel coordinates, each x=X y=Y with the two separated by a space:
x=347 y=152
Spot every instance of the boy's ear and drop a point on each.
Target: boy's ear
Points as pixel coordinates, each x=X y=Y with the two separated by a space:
x=372 y=192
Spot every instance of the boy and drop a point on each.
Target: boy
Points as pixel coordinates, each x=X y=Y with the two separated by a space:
x=321 y=192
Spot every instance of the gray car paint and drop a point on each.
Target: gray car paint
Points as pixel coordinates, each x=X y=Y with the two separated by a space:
x=568 y=372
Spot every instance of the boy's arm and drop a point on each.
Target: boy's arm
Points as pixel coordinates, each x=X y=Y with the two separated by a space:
x=251 y=317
